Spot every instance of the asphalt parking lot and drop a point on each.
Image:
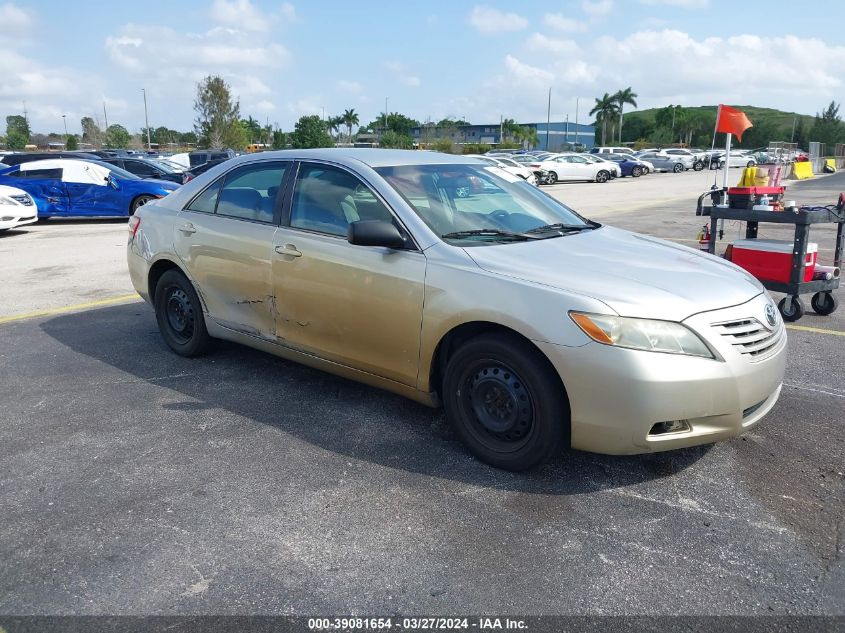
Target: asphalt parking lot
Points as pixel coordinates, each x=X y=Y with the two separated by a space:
x=134 y=481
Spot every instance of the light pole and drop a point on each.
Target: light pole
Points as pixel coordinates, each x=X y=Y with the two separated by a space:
x=147 y=120
x=385 y=114
x=64 y=120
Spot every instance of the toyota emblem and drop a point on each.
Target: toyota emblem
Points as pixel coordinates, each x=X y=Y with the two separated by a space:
x=771 y=315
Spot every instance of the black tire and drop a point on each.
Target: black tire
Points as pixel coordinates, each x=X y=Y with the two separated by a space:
x=824 y=303
x=751 y=163
x=179 y=315
x=678 y=168
x=636 y=172
x=796 y=310
x=139 y=202
x=698 y=165
x=505 y=402
x=602 y=176
x=551 y=178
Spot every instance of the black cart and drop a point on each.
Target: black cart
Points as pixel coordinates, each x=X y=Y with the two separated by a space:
x=791 y=307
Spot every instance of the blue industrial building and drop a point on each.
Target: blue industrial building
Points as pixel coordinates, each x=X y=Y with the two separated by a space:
x=557 y=136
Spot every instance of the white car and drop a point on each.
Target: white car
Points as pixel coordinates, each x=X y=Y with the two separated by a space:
x=576 y=167
x=16 y=208
x=615 y=170
x=510 y=166
x=612 y=150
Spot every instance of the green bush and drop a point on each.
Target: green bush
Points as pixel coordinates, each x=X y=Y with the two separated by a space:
x=475 y=148
x=444 y=145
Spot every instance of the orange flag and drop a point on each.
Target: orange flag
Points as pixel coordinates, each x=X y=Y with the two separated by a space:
x=732 y=121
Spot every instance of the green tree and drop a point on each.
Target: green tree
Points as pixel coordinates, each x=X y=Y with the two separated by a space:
x=188 y=138
x=280 y=139
x=252 y=129
x=117 y=137
x=527 y=135
x=310 y=131
x=397 y=122
x=17 y=132
x=827 y=127
x=217 y=123
x=391 y=139
x=333 y=124
x=350 y=118
x=91 y=132
x=605 y=110
x=71 y=143
x=621 y=98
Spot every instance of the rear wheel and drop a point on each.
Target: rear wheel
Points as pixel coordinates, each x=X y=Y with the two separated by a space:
x=505 y=402
x=179 y=315
x=698 y=165
x=139 y=202
x=602 y=176
x=751 y=163
x=636 y=172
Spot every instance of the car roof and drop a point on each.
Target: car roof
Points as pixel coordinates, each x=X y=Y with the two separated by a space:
x=372 y=157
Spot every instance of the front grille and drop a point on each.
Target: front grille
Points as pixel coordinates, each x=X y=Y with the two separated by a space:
x=24 y=199
x=750 y=337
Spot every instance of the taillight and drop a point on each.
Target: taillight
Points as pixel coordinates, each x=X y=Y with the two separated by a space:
x=134 y=224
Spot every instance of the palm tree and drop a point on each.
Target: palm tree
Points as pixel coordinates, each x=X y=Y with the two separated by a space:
x=350 y=118
x=333 y=123
x=604 y=110
x=510 y=128
x=528 y=135
x=622 y=97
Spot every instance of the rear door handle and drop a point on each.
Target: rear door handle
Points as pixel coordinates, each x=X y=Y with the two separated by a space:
x=188 y=228
x=288 y=249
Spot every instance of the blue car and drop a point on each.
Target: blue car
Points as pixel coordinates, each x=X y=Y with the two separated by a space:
x=78 y=188
x=628 y=165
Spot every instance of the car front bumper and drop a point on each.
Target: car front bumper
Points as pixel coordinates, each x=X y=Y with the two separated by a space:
x=11 y=218
x=617 y=395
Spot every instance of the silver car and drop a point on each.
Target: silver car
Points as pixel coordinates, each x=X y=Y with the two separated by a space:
x=457 y=284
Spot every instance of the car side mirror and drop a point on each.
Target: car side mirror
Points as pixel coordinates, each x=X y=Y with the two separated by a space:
x=111 y=182
x=374 y=233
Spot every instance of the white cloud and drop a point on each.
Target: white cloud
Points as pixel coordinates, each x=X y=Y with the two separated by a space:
x=265 y=107
x=13 y=17
x=686 y=4
x=527 y=73
x=562 y=23
x=287 y=13
x=402 y=74
x=597 y=8
x=544 y=44
x=240 y=14
x=350 y=86
x=488 y=20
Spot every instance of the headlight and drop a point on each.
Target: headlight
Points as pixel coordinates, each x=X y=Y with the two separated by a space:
x=643 y=334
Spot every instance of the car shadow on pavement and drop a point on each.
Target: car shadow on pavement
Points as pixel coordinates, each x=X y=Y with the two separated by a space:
x=332 y=413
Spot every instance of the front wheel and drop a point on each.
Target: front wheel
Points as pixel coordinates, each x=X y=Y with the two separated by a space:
x=602 y=176
x=795 y=310
x=551 y=178
x=678 y=168
x=179 y=315
x=139 y=202
x=751 y=163
x=824 y=303
x=698 y=165
x=505 y=402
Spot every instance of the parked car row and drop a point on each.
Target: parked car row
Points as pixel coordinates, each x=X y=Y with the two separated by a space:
x=103 y=183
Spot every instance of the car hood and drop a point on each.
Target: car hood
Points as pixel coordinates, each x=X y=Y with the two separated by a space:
x=164 y=184
x=633 y=274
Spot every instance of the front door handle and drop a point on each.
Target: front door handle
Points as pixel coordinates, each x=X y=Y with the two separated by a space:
x=288 y=249
x=188 y=228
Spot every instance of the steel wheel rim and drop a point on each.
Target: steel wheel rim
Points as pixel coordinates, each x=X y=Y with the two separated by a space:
x=498 y=405
x=180 y=314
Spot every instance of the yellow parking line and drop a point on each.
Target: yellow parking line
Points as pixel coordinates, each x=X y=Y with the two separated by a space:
x=817 y=330
x=71 y=308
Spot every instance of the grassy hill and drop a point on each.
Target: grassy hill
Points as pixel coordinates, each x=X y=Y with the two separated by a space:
x=769 y=125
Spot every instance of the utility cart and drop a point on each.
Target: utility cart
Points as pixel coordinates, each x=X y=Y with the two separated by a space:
x=791 y=307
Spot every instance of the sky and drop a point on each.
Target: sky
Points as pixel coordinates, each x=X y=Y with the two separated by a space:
x=428 y=60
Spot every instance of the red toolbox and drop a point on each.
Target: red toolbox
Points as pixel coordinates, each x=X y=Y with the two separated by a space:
x=746 y=197
x=771 y=260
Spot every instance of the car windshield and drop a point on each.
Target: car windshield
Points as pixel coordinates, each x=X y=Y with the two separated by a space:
x=473 y=204
x=166 y=166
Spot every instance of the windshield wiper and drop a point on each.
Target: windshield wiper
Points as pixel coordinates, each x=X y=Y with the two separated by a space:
x=490 y=233
x=559 y=226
